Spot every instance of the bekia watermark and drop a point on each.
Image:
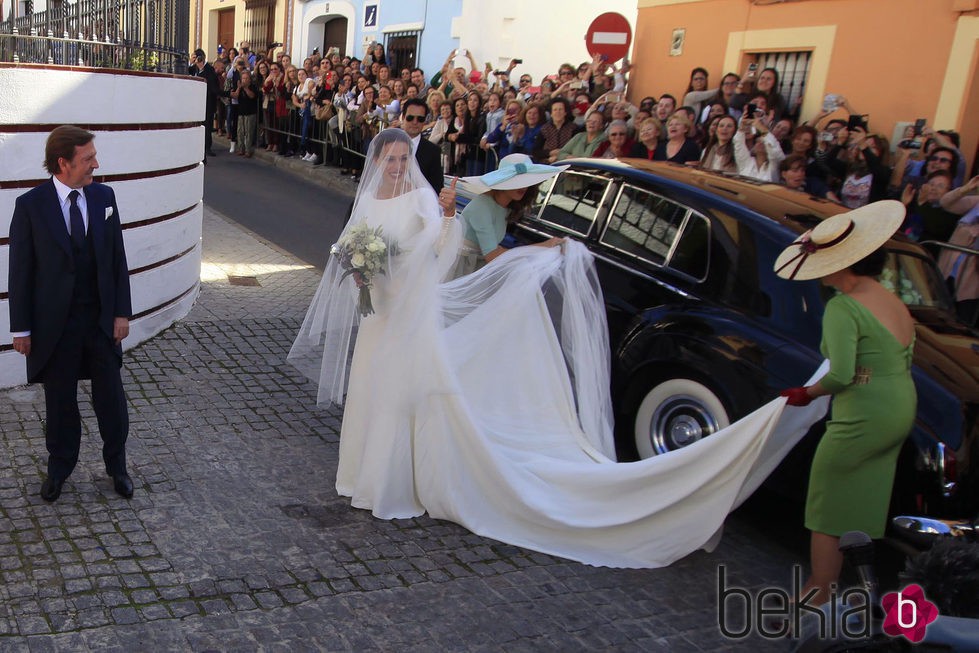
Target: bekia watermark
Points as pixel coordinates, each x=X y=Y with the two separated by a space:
x=775 y=612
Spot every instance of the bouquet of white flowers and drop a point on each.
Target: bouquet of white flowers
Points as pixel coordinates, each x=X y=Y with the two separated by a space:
x=363 y=254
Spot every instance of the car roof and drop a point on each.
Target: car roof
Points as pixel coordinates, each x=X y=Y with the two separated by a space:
x=791 y=208
x=770 y=200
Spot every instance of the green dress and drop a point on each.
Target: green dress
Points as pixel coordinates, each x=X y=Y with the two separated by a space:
x=874 y=403
x=484 y=225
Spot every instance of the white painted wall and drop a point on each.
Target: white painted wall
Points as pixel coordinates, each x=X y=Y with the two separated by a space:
x=310 y=25
x=544 y=33
x=79 y=96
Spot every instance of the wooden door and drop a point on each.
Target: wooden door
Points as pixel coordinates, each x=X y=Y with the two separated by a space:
x=226 y=29
x=335 y=35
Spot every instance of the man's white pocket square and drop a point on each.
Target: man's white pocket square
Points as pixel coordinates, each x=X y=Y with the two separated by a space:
x=108 y=212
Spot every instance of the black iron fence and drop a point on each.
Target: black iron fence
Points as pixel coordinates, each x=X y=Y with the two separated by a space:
x=147 y=35
x=338 y=140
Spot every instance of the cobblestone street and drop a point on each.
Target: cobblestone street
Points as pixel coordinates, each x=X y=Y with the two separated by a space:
x=236 y=540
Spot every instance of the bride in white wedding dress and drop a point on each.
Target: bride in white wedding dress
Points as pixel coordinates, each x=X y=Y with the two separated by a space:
x=484 y=400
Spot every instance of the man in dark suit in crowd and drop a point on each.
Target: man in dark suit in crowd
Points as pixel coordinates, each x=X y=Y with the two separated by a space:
x=427 y=153
x=200 y=68
x=70 y=304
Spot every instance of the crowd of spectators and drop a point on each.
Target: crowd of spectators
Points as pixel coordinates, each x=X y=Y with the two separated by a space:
x=330 y=107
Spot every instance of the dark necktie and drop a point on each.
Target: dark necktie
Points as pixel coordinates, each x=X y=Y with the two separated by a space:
x=77 y=224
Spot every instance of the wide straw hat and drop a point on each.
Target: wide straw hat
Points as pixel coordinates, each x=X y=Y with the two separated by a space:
x=840 y=241
x=515 y=171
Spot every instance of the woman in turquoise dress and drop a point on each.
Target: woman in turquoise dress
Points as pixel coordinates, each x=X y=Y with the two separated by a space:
x=868 y=337
x=502 y=197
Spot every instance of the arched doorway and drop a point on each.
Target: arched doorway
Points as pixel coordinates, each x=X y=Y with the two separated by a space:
x=327 y=32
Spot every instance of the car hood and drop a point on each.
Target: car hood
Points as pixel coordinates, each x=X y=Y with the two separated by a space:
x=948 y=351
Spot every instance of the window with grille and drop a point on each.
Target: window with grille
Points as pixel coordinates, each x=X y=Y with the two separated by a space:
x=259 y=23
x=401 y=50
x=793 y=69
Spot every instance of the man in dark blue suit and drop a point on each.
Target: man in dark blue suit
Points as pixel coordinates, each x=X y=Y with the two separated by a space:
x=428 y=154
x=70 y=304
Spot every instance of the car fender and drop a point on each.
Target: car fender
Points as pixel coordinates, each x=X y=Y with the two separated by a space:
x=687 y=341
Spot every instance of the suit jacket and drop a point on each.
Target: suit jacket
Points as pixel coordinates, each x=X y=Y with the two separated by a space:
x=429 y=158
x=213 y=85
x=41 y=280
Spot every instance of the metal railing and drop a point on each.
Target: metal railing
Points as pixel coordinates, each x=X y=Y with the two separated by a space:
x=344 y=147
x=149 y=35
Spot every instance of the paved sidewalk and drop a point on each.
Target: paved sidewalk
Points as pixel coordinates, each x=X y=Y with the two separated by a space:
x=237 y=541
x=321 y=174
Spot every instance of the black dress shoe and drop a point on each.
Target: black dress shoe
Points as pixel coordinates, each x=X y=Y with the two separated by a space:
x=123 y=485
x=51 y=488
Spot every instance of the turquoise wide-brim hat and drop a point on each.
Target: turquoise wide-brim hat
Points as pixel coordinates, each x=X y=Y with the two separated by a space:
x=515 y=171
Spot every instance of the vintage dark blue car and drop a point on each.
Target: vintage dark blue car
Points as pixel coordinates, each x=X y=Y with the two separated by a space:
x=703 y=332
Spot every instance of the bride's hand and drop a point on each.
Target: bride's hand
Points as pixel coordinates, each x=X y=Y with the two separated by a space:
x=447 y=199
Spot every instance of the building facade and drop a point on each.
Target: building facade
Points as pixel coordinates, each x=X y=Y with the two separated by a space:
x=894 y=60
x=414 y=32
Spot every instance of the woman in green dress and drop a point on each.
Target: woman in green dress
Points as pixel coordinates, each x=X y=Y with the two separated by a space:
x=868 y=337
x=501 y=198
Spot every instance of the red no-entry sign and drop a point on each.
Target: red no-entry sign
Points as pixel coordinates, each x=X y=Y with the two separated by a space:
x=610 y=35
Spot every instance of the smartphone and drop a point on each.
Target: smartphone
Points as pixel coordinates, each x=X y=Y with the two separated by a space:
x=518 y=61
x=751 y=110
x=830 y=102
x=856 y=121
x=461 y=52
x=752 y=67
x=919 y=125
x=826 y=137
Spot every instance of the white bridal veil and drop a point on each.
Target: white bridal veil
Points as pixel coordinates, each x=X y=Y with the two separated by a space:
x=485 y=399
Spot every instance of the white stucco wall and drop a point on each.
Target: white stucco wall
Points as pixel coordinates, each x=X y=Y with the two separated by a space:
x=147 y=128
x=310 y=25
x=544 y=34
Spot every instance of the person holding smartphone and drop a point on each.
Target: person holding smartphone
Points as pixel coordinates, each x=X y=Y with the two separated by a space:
x=756 y=150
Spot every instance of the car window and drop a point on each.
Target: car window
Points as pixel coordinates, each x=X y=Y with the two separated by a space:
x=915 y=280
x=659 y=231
x=573 y=201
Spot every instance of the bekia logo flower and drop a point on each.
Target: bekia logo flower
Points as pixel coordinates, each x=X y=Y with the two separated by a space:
x=908 y=613
x=108 y=212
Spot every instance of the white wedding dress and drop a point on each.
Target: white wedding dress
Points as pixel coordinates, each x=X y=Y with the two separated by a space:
x=484 y=401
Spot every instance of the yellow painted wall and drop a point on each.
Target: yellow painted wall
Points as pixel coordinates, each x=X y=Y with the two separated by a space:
x=209 y=23
x=892 y=59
